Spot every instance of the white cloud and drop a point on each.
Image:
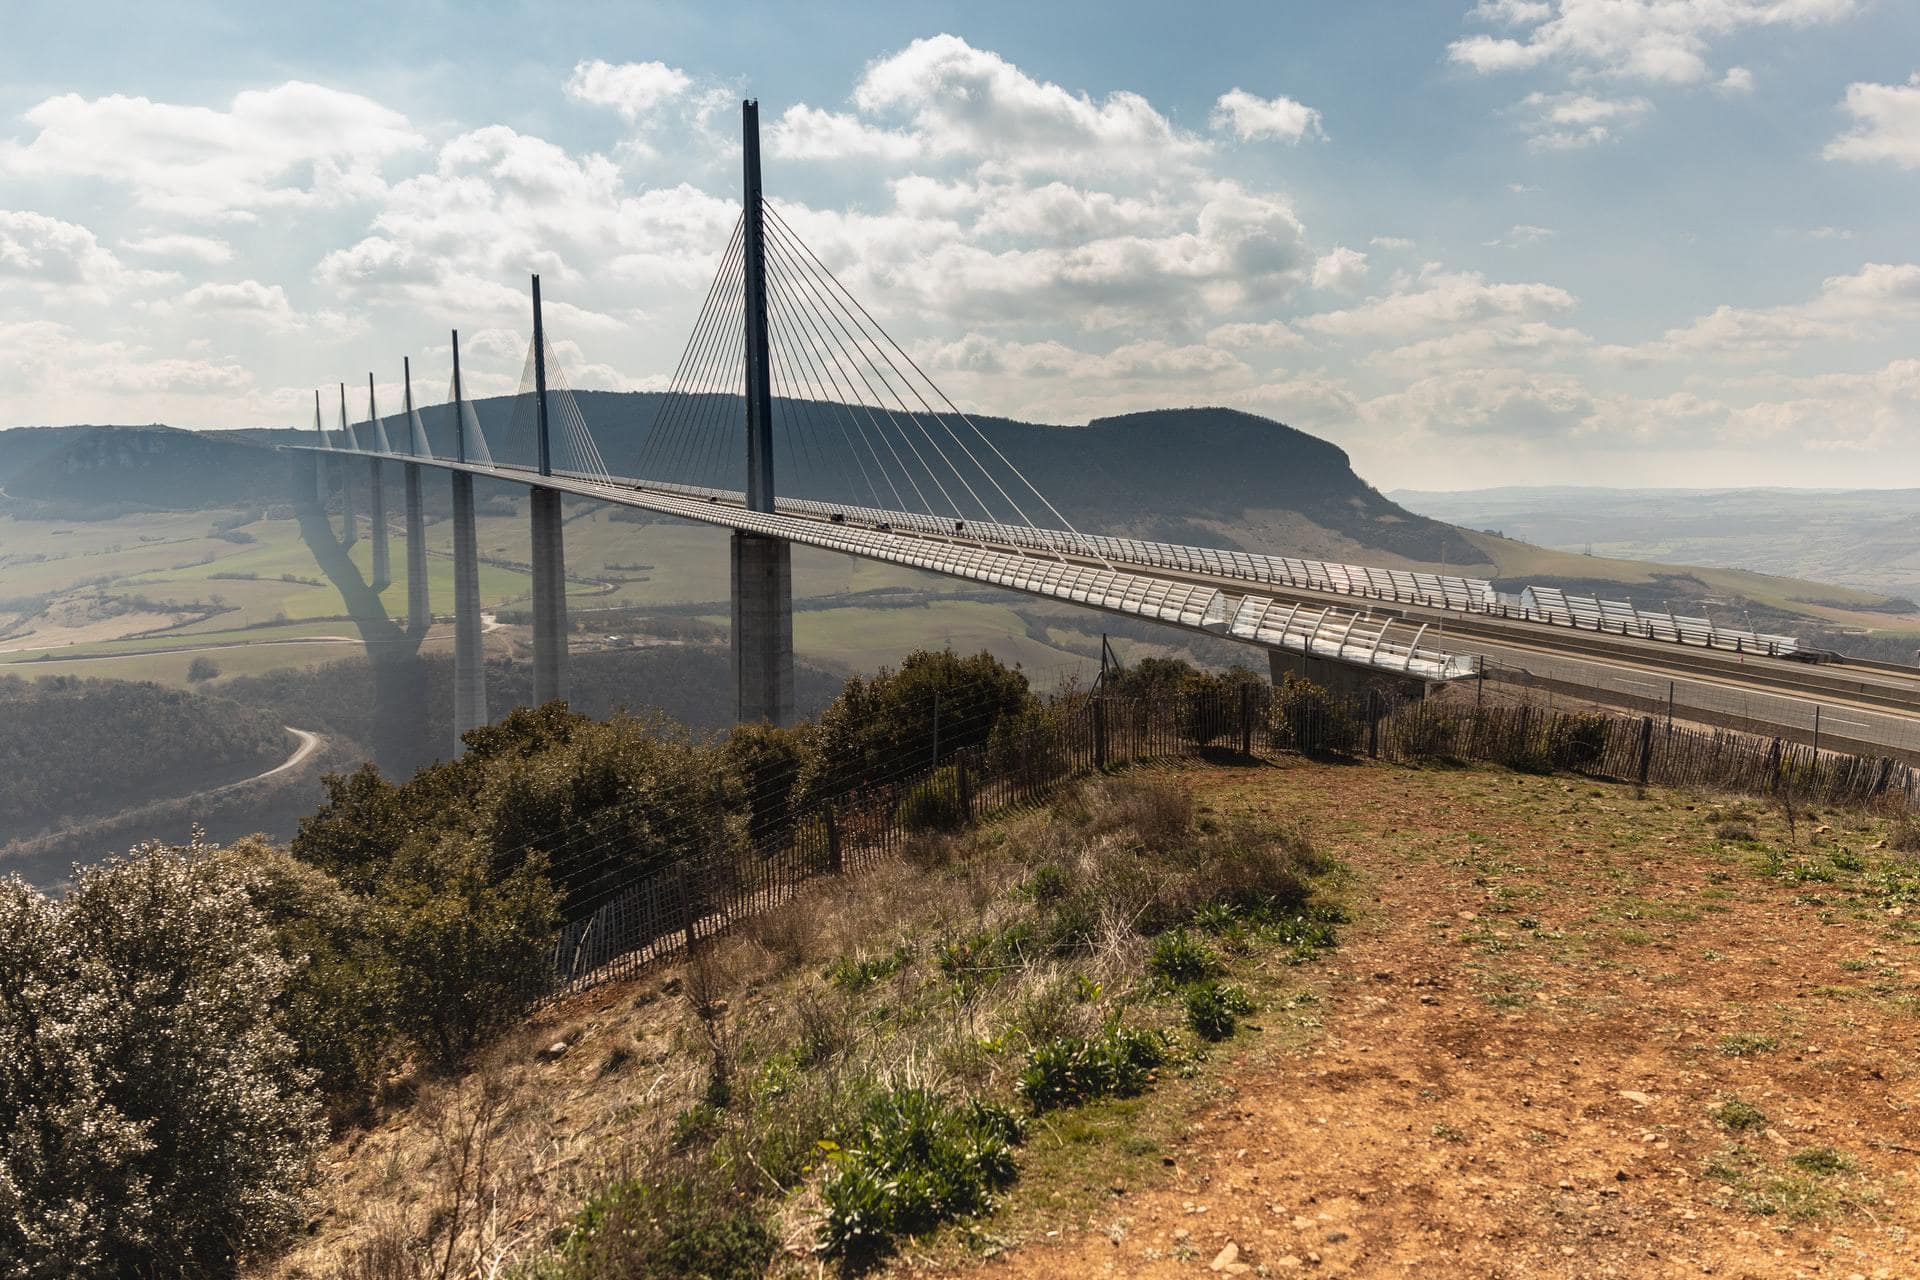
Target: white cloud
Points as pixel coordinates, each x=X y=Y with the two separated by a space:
x=1656 y=41
x=1441 y=299
x=1566 y=121
x=1886 y=125
x=1251 y=118
x=809 y=133
x=1521 y=233
x=247 y=300
x=205 y=249
x=1268 y=334
x=64 y=260
x=634 y=89
x=1396 y=243
x=1343 y=270
x=1848 y=308
x=1738 y=80
x=292 y=146
x=968 y=102
x=1503 y=402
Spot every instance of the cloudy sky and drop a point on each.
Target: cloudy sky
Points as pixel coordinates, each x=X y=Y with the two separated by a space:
x=1517 y=241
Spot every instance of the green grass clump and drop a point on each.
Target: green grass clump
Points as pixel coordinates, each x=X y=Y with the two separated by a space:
x=858 y=972
x=1739 y=1116
x=918 y=1160
x=1214 y=1009
x=1824 y=1161
x=1745 y=1044
x=1178 y=958
x=1066 y=1070
x=665 y=1230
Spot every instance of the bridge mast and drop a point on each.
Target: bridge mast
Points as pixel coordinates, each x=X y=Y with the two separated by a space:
x=377 y=499
x=351 y=533
x=549 y=553
x=762 y=568
x=419 y=612
x=469 y=660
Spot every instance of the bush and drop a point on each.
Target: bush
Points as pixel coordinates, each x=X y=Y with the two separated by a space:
x=155 y=1120
x=1311 y=720
x=673 y=1227
x=934 y=804
x=1213 y=1010
x=1068 y=1070
x=918 y=1160
x=202 y=669
x=468 y=952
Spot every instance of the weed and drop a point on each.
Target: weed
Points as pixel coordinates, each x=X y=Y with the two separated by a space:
x=1179 y=958
x=698 y=1125
x=1447 y=1133
x=1213 y=1010
x=858 y=972
x=1734 y=833
x=917 y=1161
x=1739 y=1116
x=1824 y=1161
x=1746 y=1044
x=1048 y=883
x=1066 y=1070
x=662 y=1230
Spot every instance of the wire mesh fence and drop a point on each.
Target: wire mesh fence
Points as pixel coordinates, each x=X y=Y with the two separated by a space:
x=666 y=910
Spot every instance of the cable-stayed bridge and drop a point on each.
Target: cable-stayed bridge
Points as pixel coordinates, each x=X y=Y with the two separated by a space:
x=787 y=376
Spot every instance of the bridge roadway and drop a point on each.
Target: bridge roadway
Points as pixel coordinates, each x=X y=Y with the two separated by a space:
x=1871 y=708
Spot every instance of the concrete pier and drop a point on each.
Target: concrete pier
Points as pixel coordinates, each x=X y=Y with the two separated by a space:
x=377 y=515
x=762 y=629
x=469 y=657
x=349 y=523
x=549 y=599
x=419 y=611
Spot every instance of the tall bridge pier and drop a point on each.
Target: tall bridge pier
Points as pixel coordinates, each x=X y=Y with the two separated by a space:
x=762 y=568
x=377 y=497
x=350 y=533
x=419 y=611
x=469 y=657
x=549 y=552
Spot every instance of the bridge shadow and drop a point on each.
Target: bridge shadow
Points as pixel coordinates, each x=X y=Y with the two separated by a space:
x=399 y=742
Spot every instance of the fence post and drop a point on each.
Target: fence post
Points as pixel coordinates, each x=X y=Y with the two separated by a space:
x=688 y=916
x=965 y=781
x=1646 y=747
x=1246 y=719
x=1373 y=723
x=1100 y=733
x=834 y=864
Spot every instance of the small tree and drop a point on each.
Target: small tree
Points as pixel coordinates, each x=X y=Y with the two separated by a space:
x=157 y=980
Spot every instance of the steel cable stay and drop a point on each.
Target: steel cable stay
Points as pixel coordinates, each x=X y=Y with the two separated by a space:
x=786 y=232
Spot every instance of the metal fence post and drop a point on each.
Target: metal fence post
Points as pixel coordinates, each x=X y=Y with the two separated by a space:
x=1246 y=719
x=1100 y=734
x=1646 y=747
x=834 y=863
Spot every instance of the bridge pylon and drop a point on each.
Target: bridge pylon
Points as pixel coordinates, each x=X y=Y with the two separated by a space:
x=419 y=607
x=469 y=656
x=377 y=499
x=762 y=568
x=549 y=550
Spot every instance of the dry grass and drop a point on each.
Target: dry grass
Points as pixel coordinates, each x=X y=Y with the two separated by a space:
x=942 y=969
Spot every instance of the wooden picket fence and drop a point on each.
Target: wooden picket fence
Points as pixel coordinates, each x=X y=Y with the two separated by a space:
x=663 y=912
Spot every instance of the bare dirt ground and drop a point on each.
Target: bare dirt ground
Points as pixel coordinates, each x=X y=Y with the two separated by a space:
x=1571 y=1033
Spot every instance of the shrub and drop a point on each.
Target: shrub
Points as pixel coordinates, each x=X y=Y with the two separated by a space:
x=1309 y=719
x=917 y=1161
x=1824 y=1161
x=1213 y=1010
x=934 y=804
x=1904 y=836
x=677 y=1225
x=1734 y=833
x=156 y=1121
x=1576 y=743
x=1067 y=1070
x=468 y=952
x=202 y=669
x=858 y=972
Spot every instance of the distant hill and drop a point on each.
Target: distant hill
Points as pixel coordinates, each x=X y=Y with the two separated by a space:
x=71 y=472
x=1201 y=474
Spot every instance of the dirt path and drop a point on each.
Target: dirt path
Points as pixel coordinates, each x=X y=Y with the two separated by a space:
x=1571 y=1034
x=309 y=743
